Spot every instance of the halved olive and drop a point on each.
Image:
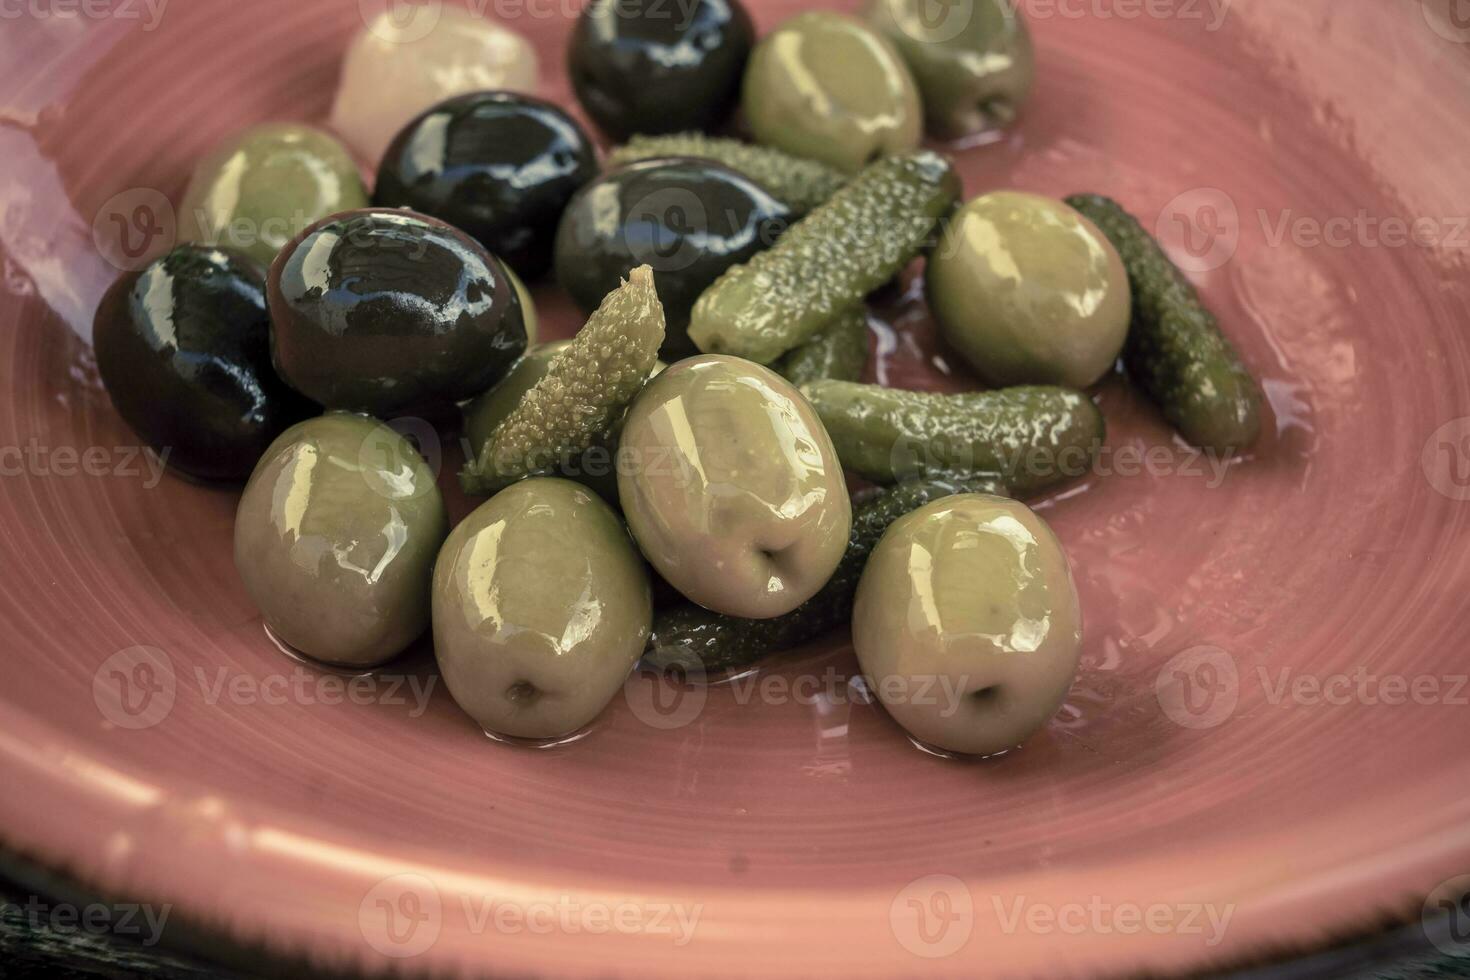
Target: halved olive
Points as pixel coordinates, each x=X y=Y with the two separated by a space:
x=387 y=311
x=183 y=346
x=689 y=220
x=500 y=166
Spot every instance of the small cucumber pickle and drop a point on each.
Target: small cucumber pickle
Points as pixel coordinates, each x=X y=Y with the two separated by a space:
x=689 y=220
x=828 y=261
x=260 y=188
x=1028 y=437
x=698 y=642
x=731 y=487
x=497 y=165
x=541 y=609
x=824 y=85
x=839 y=351
x=1175 y=349
x=973 y=63
x=1028 y=291
x=183 y=346
x=967 y=623
x=335 y=539
x=642 y=66
x=583 y=393
x=386 y=311
x=801 y=184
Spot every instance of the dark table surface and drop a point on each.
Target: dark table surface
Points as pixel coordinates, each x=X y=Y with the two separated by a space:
x=50 y=929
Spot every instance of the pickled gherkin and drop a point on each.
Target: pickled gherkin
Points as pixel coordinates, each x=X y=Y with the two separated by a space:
x=1028 y=437
x=800 y=184
x=1175 y=350
x=584 y=393
x=828 y=261
x=839 y=352
x=692 y=639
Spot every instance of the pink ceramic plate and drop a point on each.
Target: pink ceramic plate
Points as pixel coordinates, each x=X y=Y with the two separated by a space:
x=1265 y=748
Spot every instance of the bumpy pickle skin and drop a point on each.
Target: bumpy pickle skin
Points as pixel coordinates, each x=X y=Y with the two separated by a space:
x=838 y=352
x=1175 y=350
x=1029 y=437
x=585 y=391
x=698 y=642
x=828 y=261
x=800 y=184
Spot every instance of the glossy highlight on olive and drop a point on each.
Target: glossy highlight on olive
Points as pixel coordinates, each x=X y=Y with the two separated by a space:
x=498 y=165
x=183 y=346
x=689 y=220
x=387 y=311
x=648 y=66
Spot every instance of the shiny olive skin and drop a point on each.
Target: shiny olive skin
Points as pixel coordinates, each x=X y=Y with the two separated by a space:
x=689 y=220
x=259 y=189
x=336 y=536
x=967 y=623
x=386 y=312
x=1029 y=291
x=973 y=63
x=183 y=346
x=732 y=488
x=647 y=66
x=498 y=165
x=828 y=87
x=541 y=608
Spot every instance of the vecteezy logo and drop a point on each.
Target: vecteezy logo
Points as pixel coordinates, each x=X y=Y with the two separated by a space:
x=1446 y=459
x=1199 y=688
x=400 y=21
x=936 y=21
x=1446 y=916
x=134 y=688
x=933 y=916
x=134 y=227
x=1200 y=229
x=664 y=700
x=401 y=915
x=1450 y=19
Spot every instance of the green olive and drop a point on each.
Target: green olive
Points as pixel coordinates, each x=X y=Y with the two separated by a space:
x=732 y=488
x=825 y=86
x=335 y=539
x=541 y=608
x=261 y=188
x=967 y=623
x=528 y=306
x=1029 y=291
x=973 y=62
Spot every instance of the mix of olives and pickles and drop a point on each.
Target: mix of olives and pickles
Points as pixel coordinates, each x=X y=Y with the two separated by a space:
x=704 y=477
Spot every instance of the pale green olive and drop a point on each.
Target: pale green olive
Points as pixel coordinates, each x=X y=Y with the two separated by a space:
x=528 y=305
x=541 y=608
x=263 y=187
x=732 y=488
x=967 y=623
x=827 y=87
x=972 y=59
x=335 y=539
x=1029 y=291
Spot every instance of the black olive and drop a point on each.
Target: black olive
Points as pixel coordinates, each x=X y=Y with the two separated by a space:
x=688 y=219
x=183 y=346
x=387 y=311
x=654 y=66
x=497 y=165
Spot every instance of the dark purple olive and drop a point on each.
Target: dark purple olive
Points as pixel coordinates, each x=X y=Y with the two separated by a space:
x=183 y=346
x=688 y=219
x=497 y=165
x=650 y=66
x=387 y=311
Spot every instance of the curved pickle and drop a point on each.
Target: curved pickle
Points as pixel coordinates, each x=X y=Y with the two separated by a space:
x=1029 y=437
x=1175 y=350
x=839 y=352
x=828 y=261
